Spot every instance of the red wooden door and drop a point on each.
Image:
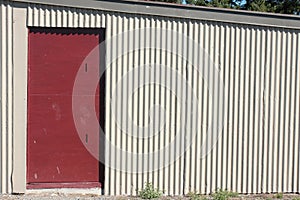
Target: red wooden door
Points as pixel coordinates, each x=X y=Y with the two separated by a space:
x=56 y=156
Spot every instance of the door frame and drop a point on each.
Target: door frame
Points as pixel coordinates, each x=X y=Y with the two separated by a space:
x=17 y=105
x=19 y=102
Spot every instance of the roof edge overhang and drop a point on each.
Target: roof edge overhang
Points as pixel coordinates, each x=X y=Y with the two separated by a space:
x=180 y=11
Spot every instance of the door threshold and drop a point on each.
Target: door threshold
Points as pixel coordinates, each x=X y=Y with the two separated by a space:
x=81 y=191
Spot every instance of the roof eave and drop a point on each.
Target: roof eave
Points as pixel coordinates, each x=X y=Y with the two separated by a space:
x=180 y=11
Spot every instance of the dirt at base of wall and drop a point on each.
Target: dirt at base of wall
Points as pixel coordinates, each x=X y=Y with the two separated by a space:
x=58 y=196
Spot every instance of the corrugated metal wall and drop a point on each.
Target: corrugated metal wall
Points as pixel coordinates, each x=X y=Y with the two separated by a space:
x=258 y=150
x=6 y=77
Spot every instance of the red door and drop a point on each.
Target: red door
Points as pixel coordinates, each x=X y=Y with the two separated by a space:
x=56 y=156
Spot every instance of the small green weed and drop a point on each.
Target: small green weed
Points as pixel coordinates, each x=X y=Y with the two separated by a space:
x=223 y=194
x=195 y=196
x=296 y=198
x=278 y=196
x=149 y=192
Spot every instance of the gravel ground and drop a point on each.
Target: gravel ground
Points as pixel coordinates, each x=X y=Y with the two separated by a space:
x=54 y=196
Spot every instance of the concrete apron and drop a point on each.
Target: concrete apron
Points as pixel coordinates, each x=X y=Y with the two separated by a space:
x=81 y=191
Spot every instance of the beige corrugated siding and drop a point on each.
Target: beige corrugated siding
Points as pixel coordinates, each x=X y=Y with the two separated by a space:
x=258 y=150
